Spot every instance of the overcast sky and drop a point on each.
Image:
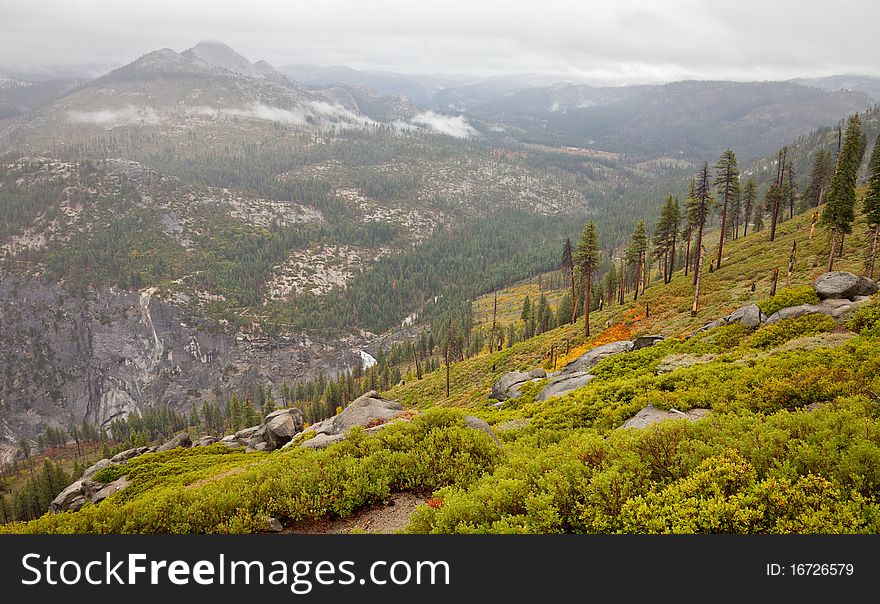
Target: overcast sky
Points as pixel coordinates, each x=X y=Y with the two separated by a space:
x=614 y=40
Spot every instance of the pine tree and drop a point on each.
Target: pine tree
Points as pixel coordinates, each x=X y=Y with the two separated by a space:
x=701 y=208
x=820 y=179
x=871 y=208
x=635 y=257
x=665 y=236
x=727 y=185
x=840 y=208
x=749 y=197
x=587 y=259
x=568 y=267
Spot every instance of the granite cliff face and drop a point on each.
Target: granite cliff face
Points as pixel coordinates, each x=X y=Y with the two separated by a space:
x=106 y=354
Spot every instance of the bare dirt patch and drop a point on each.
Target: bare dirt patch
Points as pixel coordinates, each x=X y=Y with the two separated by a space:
x=390 y=516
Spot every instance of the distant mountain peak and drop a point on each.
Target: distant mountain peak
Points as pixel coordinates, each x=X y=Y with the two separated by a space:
x=265 y=68
x=218 y=54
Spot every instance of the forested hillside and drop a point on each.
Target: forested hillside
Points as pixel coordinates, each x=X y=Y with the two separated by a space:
x=791 y=385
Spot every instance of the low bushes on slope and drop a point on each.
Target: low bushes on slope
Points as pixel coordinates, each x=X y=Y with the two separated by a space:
x=210 y=490
x=743 y=472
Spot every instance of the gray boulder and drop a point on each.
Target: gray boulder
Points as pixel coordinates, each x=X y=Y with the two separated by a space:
x=750 y=316
x=181 y=440
x=843 y=285
x=65 y=498
x=651 y=415
x=126 y=455
x=645 y=341
x=711 y=325
x=246 y=433
x=363 y=411
x=563 y=384
x=205 y=441
x=833 y=307
x=282 y=426
x=104 y=491
x=96 y=467
x=507 y=386
x=476 y=423
x=590 y=358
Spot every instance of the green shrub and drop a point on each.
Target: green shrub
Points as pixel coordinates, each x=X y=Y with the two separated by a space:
x=788 y=297
x=782 y=331
x=866 y=320
x=731 y=473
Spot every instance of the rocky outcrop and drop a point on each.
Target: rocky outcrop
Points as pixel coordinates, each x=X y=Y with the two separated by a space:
x=275 y=431
x=367 y=410
x=833 y=307
x=576 y=374
x=589 y=359
x=85 y=491
x=843 y=285
x=205 y=441
x=563 y=384
x=749 y=315
x=181 y=440
x=507 y=386
x=651 y=415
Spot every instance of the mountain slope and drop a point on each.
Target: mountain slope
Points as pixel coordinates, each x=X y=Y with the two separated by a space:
x=771 y=399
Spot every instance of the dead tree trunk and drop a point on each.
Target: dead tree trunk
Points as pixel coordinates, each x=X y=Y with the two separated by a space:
x=587 y=304
x=774 y=282
x=699 y=265
x=494 y=316
x=791 y=260
x=873 y=256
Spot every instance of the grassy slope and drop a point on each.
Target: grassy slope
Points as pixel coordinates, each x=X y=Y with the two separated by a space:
x=757 y=464
x=746 y=260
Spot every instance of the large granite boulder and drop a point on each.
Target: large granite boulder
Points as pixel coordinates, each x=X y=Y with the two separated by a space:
x=367 y=410
x=282 y=426
x=205 y=441
x=507 y=386
x=96 y=467
x=651 y=415
x=577 y=373
x=181 y=440
x=586 y=361
x=843 y=285
x=67 y=497
x=563 y=384
x=750 y=316
x=833 y=307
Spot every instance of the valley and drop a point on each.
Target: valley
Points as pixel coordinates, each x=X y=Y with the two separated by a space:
x=194 y=243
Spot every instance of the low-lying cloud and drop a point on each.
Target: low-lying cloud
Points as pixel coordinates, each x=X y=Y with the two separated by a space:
x=130 y=114
x=310 y=114
x=450 y=125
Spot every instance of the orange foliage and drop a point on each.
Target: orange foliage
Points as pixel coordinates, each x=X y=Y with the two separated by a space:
x=435 y=503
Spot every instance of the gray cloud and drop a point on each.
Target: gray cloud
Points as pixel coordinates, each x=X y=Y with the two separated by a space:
x=617 y=41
